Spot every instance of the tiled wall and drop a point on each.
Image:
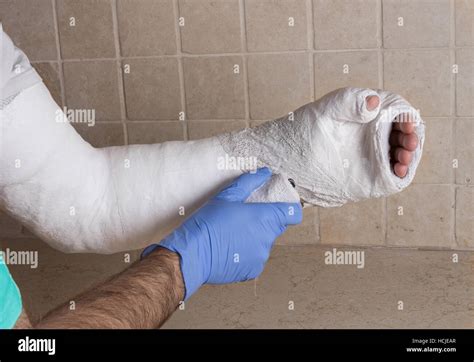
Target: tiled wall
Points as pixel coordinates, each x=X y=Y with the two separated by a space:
x=229 y=64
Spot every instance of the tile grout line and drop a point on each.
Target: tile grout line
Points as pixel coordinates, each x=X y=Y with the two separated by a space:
x=310 y=45
x=452 y=50
x=328 y=245
x=381 y=79
x=118 y=64
x=243 y=45
x=58 y=50
x=381 y=82
x=380 y=247
x=380 y=24
x=233 y=119
x=455 y=192
x=311 y=52
x=179 y=56
x=452 y=40
x=244 y=55
x=453 y=95
x=199 y=120
x=276 y=52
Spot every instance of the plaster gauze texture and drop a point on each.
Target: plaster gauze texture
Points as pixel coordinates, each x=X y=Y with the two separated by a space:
x=334 y=148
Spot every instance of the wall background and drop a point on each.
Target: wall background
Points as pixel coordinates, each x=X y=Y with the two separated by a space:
x=191 y=69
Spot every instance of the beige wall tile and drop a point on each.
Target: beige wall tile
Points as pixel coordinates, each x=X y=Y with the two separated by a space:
x=465 y=217
x=93 y=85
x=49 y=72
x=345 y=69
x=464 y=19
x=304 y=233
x=464 y=150
x=154 y=132
x=102 y=134
x=423 y=77
x=276 y=25
x=427 y=220
x=92 y=36
x=358 y=223
x=152 y=88
x=8 y=226
x=465 y=82
x=213 y=89
x=345 y=24
x=30 y=24
x=436 y=293
x=436 y=165
x=425 y=23
x=278 y=84
x=146 y=27
x=205 y=129
x=211 y=26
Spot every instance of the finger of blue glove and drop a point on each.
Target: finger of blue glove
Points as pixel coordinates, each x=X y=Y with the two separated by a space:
x=289 y=213
x=241 y=188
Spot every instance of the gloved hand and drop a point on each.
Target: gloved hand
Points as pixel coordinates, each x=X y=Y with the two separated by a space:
x=228 y=240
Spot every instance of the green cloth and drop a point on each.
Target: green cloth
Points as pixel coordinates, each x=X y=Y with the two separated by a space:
x=10 y=298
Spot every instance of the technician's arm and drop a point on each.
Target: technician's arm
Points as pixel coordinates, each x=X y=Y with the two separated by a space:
x=226 y=241
x=143 y=296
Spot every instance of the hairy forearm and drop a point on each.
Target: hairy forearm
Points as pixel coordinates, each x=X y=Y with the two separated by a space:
x=143 y=296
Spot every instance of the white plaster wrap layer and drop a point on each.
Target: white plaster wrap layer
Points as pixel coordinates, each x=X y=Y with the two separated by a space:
x=82 y=199
x=334 y=148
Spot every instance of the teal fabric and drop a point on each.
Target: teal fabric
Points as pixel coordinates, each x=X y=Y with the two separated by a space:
x=10 y=298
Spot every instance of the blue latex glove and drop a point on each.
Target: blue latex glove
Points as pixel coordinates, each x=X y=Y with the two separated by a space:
x=228 y=240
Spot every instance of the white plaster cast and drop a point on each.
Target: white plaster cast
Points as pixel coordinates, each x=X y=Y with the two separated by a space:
x=79 y=198
x=84 y=199
x=334 y=148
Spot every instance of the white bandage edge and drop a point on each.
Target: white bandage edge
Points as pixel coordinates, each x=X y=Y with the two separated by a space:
x=391 y=107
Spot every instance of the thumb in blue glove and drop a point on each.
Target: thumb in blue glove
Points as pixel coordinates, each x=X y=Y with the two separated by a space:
x=228 y=240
